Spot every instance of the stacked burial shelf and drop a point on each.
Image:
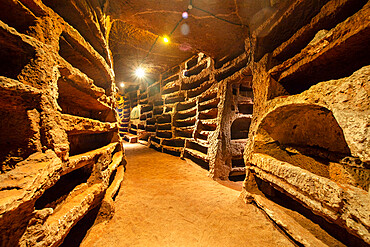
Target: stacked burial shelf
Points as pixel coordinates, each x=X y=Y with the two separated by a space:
x=238 y=119
x=304 y=135
x=123 y=110
x=61 y=156
x=181 y=113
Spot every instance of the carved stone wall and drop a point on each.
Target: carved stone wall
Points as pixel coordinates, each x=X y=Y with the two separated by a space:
x=190 y=112
x=61 y=155
x=309 y=137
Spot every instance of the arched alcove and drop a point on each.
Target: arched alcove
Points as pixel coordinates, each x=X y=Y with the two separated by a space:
x=309 y=136
x=240 y=128
x=306 y=126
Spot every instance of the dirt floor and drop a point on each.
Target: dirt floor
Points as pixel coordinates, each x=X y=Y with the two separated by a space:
x=166 y=201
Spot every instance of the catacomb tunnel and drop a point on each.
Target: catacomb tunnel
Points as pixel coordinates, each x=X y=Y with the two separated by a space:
x=184 y=123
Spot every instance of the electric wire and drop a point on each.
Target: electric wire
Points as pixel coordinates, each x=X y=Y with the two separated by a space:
x=217 y=17
x=191 y=6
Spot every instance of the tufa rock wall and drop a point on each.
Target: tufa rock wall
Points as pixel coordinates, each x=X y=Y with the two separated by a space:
x=302 y=131
x=61 y=155
x=199 y=110
x=309 y=137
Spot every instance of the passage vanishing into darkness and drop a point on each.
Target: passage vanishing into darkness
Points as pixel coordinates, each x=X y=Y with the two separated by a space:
x=184 y=123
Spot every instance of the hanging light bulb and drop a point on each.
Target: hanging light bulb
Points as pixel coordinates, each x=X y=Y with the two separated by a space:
x=185 y=15
x=140 y=72
x=122 y=84
x=166 y=39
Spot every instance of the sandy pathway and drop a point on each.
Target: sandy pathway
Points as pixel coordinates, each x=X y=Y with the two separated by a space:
x=164 y=201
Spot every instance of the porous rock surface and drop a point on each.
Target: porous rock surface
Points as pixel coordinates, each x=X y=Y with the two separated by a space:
x=277 y=91
x=291 y=111
x=59 y=143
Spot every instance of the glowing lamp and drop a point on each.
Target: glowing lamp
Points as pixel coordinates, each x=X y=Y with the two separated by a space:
x=140 y=72
x=166 y=39
x=122 y=84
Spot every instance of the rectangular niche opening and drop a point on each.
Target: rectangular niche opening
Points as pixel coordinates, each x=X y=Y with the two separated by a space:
x=245 y=91
x=16 y=15
x=186 y=105
x=77 y=103
x=329 y=233
x=150 y=128
x=172 y=152
x=221 y=62
x=81 y=229
x=245 y=108
x=83 y=60
x=155 y=139
x=187 y=133
x=83 y=24
x=199 y=90
x=165 y=118
x=195 y=70
x=331 y=18
x=186 y=114
x=195 y=83
x=166 y=126
x=133 y=131
x=236 y=176
x=213 y=103
x=14 y=54
x=185 y=122
x=197 y=147
x=209 y=126
x=171 y=88
x=164 y=134
x=208 y=114
x=203 y=136
x=192 y=62
x=56 y=194
x=208 y=96
x=238 y=162
x=231 y=70
x=334 y=61
x=158 y=111
x=174 y=142
x=87 y=142
x=200 y=162
x=174 y=99
x=170 y=79
x=334 y=64
x=151 y=121
x=17 y=138
x=286 y=24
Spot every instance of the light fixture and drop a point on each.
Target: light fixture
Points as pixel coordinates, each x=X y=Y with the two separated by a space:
x=185 y=15
x=140 y=72
x=122 y=84
x=166 y=39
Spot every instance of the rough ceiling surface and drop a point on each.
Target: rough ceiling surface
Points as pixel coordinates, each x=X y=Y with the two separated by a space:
x=271 y=97
x=217 y=28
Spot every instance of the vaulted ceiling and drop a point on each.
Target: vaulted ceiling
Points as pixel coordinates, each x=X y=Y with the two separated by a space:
x=133 y=30
x=216 y=27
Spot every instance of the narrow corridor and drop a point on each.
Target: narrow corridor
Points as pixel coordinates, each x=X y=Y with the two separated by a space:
x=165 y=201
